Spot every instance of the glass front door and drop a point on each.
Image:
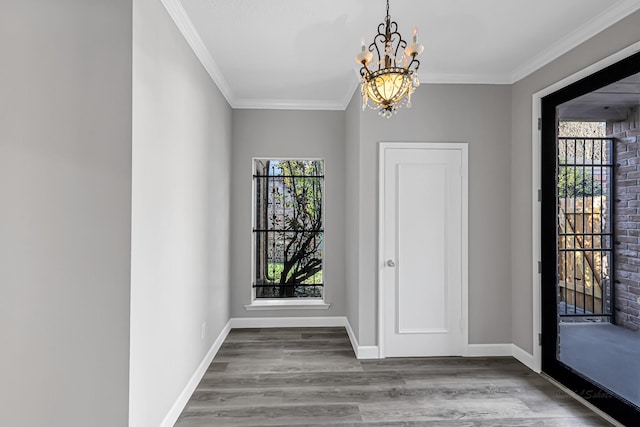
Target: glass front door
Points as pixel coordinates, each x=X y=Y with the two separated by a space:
x=591 y=238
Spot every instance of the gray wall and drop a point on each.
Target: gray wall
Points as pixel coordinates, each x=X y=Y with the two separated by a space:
x=615 y=38
x=479 y=115
x=65 y=191
x=294 y=134
x=180 y=214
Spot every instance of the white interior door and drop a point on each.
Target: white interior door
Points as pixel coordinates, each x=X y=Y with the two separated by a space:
x=423 y=249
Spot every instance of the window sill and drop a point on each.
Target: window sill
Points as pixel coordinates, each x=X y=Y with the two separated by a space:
x=287 y=305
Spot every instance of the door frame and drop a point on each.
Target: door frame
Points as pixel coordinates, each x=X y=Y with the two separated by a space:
x=463 y=147
x=617 y=66
x=536 y=163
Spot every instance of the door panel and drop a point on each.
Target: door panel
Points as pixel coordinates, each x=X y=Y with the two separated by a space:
x=420 y=247
x=422 y=273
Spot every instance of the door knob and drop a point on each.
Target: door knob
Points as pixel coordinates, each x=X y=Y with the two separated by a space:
x=390 y=263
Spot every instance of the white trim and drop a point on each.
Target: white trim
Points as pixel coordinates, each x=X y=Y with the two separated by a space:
x=535 y=238
x=183 y=398
x=464 y=148
x=448 y=78
x=361 y=351
x=352 y=336
x=489 y=350
x=593 y=408
x=535 y=155
x=523 y=357
x=287 y=104
x=368 y=352
x=287 y=322
x=615 y=13
x=287 y=305
x=179 y=15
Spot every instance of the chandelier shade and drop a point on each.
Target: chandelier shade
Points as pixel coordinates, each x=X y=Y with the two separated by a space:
x=388 y=87
x=389 y=82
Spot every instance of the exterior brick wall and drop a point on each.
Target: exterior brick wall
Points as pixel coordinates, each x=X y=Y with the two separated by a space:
x=627 y=205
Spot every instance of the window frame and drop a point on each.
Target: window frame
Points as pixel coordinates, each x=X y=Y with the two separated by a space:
x=285 y=303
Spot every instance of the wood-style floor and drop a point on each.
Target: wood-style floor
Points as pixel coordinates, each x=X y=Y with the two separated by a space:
x=310 y=377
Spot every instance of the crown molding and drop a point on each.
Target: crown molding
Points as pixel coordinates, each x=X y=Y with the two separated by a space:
x=615 y=13
x=179 y=15
x=448 y=78
x=287 y=104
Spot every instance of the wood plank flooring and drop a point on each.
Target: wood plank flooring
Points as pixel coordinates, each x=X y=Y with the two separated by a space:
x=310 y=377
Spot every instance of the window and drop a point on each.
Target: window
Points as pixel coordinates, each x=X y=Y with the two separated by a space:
x=288 y=228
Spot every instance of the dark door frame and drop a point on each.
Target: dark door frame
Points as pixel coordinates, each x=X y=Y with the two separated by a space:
x=616 y=407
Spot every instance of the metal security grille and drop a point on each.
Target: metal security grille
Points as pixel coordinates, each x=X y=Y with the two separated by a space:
x=585 y=230
x=288 y=228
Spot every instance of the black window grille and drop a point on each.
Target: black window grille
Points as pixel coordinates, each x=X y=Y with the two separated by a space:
x=288 y=228
x=585 y=231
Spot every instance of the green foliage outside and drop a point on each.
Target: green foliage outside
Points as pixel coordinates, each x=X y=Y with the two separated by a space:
x=275 y=270
x=577 y=143
x=577 y=182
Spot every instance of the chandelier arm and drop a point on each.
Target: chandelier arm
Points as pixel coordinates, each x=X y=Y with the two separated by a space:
x=393 y=28
x=401 y=44
x=379 y=38
x=414 y=61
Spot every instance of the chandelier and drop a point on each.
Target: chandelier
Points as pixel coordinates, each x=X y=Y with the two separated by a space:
x=390 y=81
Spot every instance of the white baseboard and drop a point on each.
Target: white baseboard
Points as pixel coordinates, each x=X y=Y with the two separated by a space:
x=368 y=352
x=523 y=357
x=361 y=351
x=177 y=408
x=286 y=322
x=352 y=336
x=486 y=350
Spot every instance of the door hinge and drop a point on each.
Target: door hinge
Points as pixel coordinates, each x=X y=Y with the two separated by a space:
x=540 y=339
x=539 y=195
x=539 y=123
x=539 y=267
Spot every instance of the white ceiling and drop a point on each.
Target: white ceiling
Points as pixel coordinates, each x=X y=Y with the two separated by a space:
x=299 y=53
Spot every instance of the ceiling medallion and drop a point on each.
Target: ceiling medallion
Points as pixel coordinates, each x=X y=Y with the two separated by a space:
x=390 y=85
